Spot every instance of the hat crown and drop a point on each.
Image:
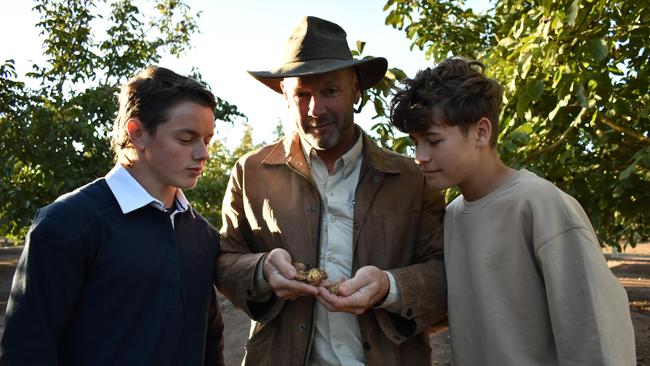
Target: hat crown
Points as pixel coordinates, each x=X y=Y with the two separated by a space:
x=315 y=38
x=316 y=47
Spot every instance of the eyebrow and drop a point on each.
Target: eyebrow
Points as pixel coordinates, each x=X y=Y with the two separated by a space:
x=186 y=130
x=425 y=134
x=191 y=132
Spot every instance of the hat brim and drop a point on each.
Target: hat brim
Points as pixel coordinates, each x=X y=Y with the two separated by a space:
x=370 y=71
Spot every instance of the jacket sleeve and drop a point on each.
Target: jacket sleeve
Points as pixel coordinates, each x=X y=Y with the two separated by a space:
x=422 y=285
x=236 y=265
x=48 y=279
x=214 y=337
x=588 y=308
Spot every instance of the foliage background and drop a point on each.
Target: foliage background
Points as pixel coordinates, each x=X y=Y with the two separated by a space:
x=576 y=108
x=55 y=135
x=576 y=101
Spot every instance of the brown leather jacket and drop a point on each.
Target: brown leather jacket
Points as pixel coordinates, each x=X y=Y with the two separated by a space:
x=272 y=201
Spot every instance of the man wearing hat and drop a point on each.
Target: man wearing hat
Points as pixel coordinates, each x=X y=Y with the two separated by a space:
x=328 y=196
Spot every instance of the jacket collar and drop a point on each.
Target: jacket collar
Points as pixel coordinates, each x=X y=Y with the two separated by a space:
x=289 y=151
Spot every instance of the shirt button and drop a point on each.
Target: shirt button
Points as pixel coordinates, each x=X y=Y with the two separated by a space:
x=333 y=219
x=330 y=258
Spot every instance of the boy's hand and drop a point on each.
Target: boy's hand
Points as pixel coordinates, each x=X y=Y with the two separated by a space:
x=368 y=286
x=280 y=274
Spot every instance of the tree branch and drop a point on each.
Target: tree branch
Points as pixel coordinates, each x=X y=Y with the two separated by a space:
x=622 y=129
x=552 y=146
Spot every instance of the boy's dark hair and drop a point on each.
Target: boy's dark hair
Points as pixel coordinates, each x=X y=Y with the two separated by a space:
x=456 y=93
x=149 y=95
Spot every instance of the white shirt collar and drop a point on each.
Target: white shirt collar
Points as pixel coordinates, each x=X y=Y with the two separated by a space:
x=130 y=194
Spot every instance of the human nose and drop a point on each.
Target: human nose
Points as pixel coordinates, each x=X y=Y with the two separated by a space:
x=202 y=152
x=421 y=156
x=316 y=106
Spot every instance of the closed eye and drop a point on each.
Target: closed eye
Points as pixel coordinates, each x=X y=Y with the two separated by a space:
x=330 y=92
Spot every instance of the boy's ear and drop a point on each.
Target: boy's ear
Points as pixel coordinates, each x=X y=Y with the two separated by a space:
x=137 y=133
x=483 y=132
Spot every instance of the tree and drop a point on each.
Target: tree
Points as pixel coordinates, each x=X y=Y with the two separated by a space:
x=208 y=194
x=575 y=77
x=55 y=135
x=279 y=130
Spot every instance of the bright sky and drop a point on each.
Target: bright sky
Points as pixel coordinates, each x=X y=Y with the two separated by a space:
x=240 y=35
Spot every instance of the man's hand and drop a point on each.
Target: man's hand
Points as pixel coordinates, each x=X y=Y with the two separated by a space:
x=280 y=274
x=356 y=295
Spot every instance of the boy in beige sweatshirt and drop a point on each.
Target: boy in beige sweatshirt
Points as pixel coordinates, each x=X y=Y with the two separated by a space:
x=527 y=281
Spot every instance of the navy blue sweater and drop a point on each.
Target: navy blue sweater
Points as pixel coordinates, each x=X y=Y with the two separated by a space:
x=98 y=287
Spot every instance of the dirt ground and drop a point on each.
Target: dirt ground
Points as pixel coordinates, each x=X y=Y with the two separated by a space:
x=632 y=269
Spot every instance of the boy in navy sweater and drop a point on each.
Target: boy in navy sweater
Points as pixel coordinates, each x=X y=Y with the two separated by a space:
x=120 y=271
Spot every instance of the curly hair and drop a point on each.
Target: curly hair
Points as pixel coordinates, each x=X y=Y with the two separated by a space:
x=149 y=95
x=456 y=93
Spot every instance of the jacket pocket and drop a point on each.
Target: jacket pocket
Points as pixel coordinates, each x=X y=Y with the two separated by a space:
x=258 y=345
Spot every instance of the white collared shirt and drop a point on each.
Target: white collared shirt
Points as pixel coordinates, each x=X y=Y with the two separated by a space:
x=337 y=337
x=130 y=194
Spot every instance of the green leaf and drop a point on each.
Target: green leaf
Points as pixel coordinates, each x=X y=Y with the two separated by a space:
x=580 y=95
x=547 y=5
x=506 y=42
x=572 y=13
x=398 y=73
x=522 y=104
x=526 y=64
x=535 y=89
x=627 y=171
x=360 y=46
x=598 y=49
x=379 y=107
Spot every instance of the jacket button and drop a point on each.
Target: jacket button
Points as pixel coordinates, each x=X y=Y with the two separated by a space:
x=301 y=327
x=355 y=225
x=409 y=312
x=311 y=207
x=249 y=292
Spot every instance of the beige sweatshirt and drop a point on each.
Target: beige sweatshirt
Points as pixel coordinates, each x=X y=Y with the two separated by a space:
x=528 y=283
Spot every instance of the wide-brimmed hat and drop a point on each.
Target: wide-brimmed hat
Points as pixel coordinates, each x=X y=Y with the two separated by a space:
x=318 y=46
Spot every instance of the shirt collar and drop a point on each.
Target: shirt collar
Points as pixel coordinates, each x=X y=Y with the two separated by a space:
x=130 y=194
x=347 y=161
